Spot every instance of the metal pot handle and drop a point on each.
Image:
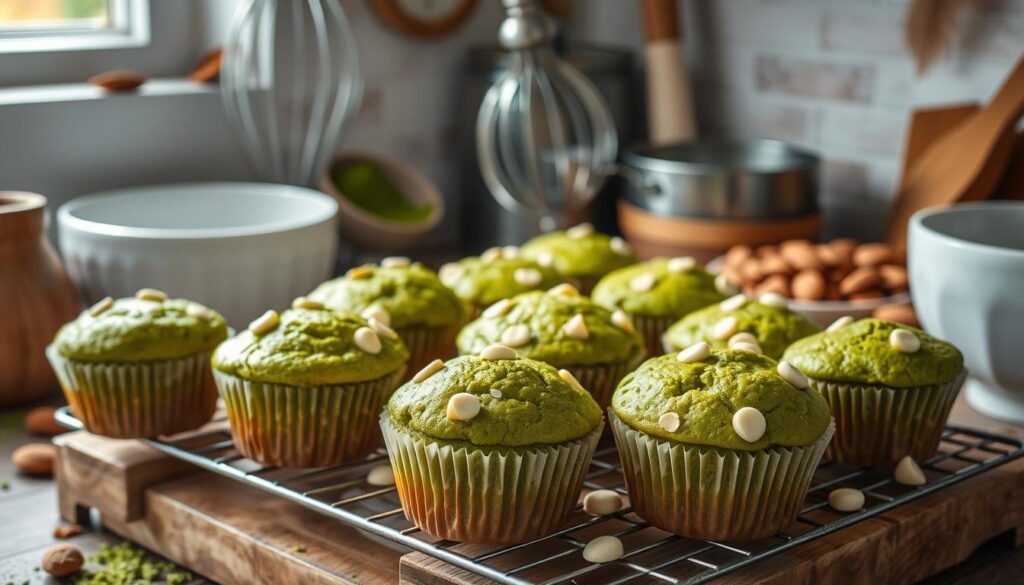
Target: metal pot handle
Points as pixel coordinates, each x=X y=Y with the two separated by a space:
x=644 y=185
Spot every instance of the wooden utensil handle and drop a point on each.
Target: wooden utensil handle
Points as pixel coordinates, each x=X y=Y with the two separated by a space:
x=1008 y=101
x=661 y=20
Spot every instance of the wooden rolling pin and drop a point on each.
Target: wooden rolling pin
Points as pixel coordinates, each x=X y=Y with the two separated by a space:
x=669 y=99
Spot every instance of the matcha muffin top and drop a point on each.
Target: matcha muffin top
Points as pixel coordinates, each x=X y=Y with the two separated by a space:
x=497 y=274
x=560 y=327
x=148 y=327
x=312 y=347
x=695 y=403
x=775 y=327
x=521 y=402
x=862 y=352
x=661 y=287
x=579 y=252
x=410 y=292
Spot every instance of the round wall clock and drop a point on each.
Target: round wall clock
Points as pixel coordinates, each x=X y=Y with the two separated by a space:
x=424 y=18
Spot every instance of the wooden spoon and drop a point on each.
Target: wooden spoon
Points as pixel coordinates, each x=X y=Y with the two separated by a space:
x=966 y=163
x=669 y=99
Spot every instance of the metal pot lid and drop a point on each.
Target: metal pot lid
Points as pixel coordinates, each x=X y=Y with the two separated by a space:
x=712 y=157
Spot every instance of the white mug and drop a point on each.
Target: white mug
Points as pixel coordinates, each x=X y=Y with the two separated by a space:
x=966 y=265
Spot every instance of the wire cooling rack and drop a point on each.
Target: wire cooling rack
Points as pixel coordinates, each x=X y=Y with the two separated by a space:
x=651 y=555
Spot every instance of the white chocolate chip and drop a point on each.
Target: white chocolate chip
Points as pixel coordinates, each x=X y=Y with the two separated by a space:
x=266 y=323
x=774 y=299
x=510 y=252
x=747 y=347
x=306 y=303
x=602 y=502
x=908 y=472
x=623 y=321
x=381 y=475
x=840 y=323
x=198 y=311
x=545 y=259
x=104 y=304
x=620 y=246
x=793 y=375
x=576 y=327
x=743 y=337
x=904 y=341
x=643 y=282
x=367 y=340
x=449 y=273
x=580 y=231
x=733 y=303
x=498 y=352
x=151 y=294
x=846 y=499
x=395 y=262
x=516 y=336
x=491 y=254
x=527 y=276
x=725 y=328
x=725 y=286
x=563 y=289
x=382 y=329
x=497 y=309
x=462 y=407
x=669 y=421
x=568 y=377
x=749 y=424
x=360 y=272
x=378 y=313
x=495 y=393
x=697 y=352
x=603 y=549
x=682 y=264
x=428 y=371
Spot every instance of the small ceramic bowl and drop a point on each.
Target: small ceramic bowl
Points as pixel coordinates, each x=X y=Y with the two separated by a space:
x=239 y=248
x=365 y=229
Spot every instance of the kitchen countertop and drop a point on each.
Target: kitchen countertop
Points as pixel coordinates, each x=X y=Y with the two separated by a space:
x=28 y=515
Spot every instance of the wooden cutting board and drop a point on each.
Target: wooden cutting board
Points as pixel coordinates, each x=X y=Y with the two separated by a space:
x=235 y=534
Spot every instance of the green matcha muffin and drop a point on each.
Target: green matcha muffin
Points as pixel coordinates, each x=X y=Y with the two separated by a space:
x=718 y=445
x=406 y=296
x=304 y=388
x=139 y=367
x=890 y=387
x=579 y=254
x=498 y=273
x=768 y=325
x=490 y=448
x=657 y=293
x=565 y=329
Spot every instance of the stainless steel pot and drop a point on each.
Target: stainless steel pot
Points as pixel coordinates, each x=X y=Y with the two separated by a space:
x=758 y=179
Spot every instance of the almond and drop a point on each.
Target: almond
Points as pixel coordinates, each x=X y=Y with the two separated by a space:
x=767 y=250
x=859 y=280
x=40 y=421
x=118 y=80
x=732 y=274
x=894 y=277
x=808 y=285
x=842 y=245
x=750 y=270
x=67 y=531
x=899 y=313
x=208 y=67
x=832 y=292
x=801 y=255
x=737 y=254
x=776 y=283
x=837 y=274
x=872 y=254
x=775 y=265
x=34 y=458
x=866 y=295
x=62 y=560
x=828 y=256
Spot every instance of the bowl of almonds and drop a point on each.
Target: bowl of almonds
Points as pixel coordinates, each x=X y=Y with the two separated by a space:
x=824 y=281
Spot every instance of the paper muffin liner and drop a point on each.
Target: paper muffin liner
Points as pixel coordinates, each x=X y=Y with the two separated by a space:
x=715 y=494
x=876 y=425
x=653 y=329
x=602 y=379
x=427 y=344
x=292 y=426
x=138 y=400
x=487 y=495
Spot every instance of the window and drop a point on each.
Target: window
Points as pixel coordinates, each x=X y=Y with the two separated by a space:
x=63 y=25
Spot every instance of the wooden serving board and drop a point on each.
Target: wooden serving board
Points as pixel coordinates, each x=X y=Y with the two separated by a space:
x=236 y=534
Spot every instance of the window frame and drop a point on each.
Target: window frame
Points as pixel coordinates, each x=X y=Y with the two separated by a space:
x=130 y=28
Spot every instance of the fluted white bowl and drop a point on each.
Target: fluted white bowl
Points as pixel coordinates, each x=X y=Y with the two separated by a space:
x=240 y=248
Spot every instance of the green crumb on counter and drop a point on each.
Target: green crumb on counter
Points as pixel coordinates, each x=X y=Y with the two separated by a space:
x=178 y=578
x=126 y=564
x=367 y=186
x=5 y=485
x=298 y=548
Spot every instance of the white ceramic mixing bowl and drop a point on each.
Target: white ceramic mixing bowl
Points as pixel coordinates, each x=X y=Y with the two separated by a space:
x=966 y=264
x=240 y=248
